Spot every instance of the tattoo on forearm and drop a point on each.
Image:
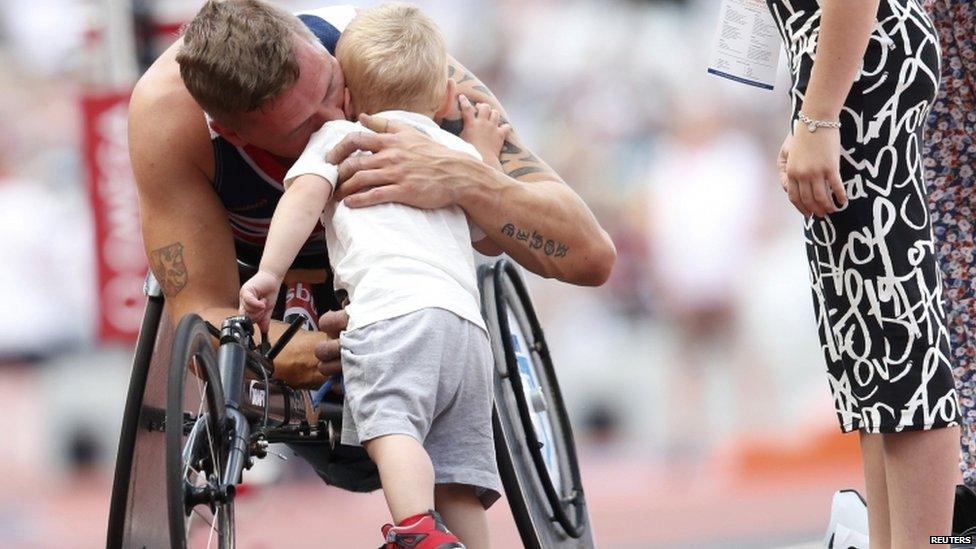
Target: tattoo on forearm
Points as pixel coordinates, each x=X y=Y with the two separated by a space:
x=168 y=266
x=535 y=241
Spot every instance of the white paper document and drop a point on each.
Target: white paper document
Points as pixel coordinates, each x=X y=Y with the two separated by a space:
x=747 y=45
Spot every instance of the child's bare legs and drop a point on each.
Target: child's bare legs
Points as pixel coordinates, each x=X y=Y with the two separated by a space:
x=873 y=459
x=408 y=484
x=463 y=514
x=406 y=473
x=922 y=469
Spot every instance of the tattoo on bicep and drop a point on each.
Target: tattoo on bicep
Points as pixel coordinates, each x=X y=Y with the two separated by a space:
x=535 y=241
x=524 y=170
x=462 y=76
x=168 y=266
x=465 y=76
x=526 y=165
x=511 y=148
x=484 y=89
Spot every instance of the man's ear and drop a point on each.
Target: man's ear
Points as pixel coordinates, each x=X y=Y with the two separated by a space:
x=230 y=135
x=449 y=101
x=348 y=107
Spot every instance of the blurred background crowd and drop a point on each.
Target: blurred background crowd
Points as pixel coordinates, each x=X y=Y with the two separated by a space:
x=693 y=378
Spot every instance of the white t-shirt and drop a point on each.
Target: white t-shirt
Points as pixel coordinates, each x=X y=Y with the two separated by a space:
x=394 y=259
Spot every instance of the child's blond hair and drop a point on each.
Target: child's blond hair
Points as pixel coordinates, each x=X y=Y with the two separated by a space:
x=393 y=57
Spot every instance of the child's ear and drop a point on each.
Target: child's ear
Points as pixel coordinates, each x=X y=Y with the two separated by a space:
x=449 y=102
x=347 y=107
x=230 y=135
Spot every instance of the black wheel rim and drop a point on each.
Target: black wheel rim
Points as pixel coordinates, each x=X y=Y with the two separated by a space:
x=526 y=382
x=132 y=522
x=195 y=449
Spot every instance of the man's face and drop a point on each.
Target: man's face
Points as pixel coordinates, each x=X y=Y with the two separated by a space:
x=284 y=125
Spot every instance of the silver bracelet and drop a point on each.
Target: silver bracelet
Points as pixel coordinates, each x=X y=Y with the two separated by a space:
x=812 y=124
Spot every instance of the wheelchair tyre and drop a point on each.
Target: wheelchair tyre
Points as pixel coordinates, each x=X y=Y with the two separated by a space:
x=533 y=436
x=134 y=519
x=196 y=446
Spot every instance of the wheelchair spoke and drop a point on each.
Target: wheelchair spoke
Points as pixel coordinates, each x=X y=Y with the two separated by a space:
x=213 y=455
x=211 y=523
x=203 y=518
x=196 y=507
x=212 y=527
x=196 y=471
x=203 y=398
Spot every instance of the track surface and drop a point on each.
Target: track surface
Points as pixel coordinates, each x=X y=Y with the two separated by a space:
x=634 y=504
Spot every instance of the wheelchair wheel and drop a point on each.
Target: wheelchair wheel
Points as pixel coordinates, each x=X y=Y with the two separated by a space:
x=533 y=437
x=199 y=515
x=136 y=518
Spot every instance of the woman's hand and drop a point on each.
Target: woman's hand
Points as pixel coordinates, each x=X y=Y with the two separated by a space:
x=809 y=171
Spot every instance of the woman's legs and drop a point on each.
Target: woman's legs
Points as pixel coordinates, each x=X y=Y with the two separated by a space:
x=873 y=459
x=920 y=472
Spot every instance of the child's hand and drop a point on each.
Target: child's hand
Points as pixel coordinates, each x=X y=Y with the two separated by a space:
x=481 y=129
x=258 y=298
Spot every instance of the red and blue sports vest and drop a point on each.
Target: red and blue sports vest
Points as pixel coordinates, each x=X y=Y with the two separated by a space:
x=248 y=180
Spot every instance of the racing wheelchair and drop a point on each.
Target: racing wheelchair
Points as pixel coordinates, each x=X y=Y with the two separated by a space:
x=197 y=416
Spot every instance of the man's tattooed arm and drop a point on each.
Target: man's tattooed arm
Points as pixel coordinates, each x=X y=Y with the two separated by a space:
x=535 y=241
x=516 y=159
x=531 y=214
x=168 y=266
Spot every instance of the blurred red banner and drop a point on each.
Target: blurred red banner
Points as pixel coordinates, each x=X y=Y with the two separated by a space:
x=121 y=257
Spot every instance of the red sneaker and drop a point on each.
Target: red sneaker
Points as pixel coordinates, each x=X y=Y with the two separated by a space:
x=424 y=531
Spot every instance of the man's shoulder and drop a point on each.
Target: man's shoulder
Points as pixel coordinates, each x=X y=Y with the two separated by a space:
x=165 y=121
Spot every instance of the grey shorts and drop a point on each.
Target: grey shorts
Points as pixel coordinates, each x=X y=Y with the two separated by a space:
x=426 y=374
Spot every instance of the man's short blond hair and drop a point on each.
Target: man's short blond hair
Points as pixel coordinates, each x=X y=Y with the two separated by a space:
x=239 y=54
x=393 y=57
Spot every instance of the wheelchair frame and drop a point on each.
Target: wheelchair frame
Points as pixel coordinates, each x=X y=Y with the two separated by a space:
x=534 y=443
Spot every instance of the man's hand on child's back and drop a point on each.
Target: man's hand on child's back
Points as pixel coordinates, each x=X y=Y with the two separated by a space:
x=483 y=129
x=258 y=297
x=407 y=167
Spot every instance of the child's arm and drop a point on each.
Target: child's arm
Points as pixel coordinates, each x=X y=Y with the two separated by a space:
x=294 y=219
x=484 y=130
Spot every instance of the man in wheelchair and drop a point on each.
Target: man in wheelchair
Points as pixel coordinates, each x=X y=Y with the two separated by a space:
x=208 y=189
x=209 y=181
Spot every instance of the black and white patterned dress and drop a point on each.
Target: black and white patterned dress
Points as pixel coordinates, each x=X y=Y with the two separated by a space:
x=876 y=286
